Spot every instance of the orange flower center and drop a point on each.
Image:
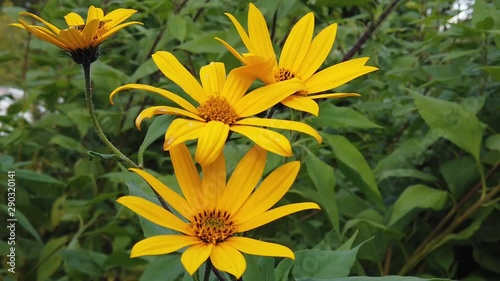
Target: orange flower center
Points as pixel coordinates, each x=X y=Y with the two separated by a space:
x=213 y=226
x=285 y=74
x=217 y=109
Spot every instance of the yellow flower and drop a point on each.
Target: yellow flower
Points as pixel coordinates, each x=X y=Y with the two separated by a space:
x=81 y=38
x=216 y=211
x=222 y=106
x=300 y=58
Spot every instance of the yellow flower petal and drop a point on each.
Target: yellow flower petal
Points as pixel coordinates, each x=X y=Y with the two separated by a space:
x=275 y=214
x=173 y=70
x=181 y=130
x=162 y=244
x=259 y=248
x=241 y=31
x=270 y=191
x=211 y=142
x=155 y=214
x=301 y=103
x=227 y=258
x=173 y=199
x=232 y=50
x=214 y=181
x=338 y=75
x=281 y=124
x=187 y=176
x=49 y=25
x=237 y=83
x=318 y=52
x=164 y=93
x=265 y=97
x=42 y=33
x=333 y=96
x=195 y=255
x=297 y=44
x=74 y=37
x=74 y=19
x=212 y=78
x=244 y=179
x=113 y=30
x=90 y=31
x=94 y=13
x=267 y=139
x=116 y=17
x=259 y=33
x=156 y=110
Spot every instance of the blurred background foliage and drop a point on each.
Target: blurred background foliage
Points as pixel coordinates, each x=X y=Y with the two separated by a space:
x=407 y=174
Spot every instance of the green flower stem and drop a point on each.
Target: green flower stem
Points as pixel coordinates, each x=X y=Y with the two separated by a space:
x=95 y=123
x=100 y=133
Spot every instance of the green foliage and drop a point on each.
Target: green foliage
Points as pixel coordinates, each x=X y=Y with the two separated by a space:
x=407 y=174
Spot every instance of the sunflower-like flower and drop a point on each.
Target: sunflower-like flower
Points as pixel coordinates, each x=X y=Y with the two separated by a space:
x=214 y=212
x=300 y=58
x=81 y=39
x=222 y=106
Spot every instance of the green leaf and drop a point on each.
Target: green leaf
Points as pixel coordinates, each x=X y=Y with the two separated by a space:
x=157 y=129
x=452 y=121
x=493 y=142
x=283 y=270
x=405 y=173
x=84 y=261
x=177 y=27
x=67 y=143
x=205 y=43
x=322 y=264
x=384 y=278
x=460 y=174
x=323 y=178
x=417 y=197
x=37 y=177
x=24 y=222
x=50 y=260
x=146 y=68
x=104 y=156
x=355 y=166
x=494 y=71
x=166 y=267
x=335 y=117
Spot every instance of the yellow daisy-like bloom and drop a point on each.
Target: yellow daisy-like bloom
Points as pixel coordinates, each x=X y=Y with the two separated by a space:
x=222 y=106
x=81 y=38
x=216 y=211
x=300 y=58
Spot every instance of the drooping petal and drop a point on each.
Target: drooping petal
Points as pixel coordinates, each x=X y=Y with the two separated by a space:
x=297 y=44
x=265 y=97
x=301 y=103
x=337 y=75
x=164 y=93
x=244 y=179
x=318 y=52
x=173 y=199
x=259 y=33
x=181 y=130
x=73 y=19
x=267 y=139
x=333 y=96
x=117 y=16
x=195 y=255
x=227 y=258
x=281 y=124
x=187 y=176
x=211 y=142
x=214 y=181
x=270 y=191
x=275 y=214
x=42 y=33
x=232 y=50
x=155 y=213
x=173 y=70
x=259 y=248
x=212 y=78
x=73 y=37
x=49 y=25
x=157 y=110
x=162 y=244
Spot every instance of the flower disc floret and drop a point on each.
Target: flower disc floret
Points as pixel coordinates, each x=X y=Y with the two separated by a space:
x=213 y=226
x=217 y=108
